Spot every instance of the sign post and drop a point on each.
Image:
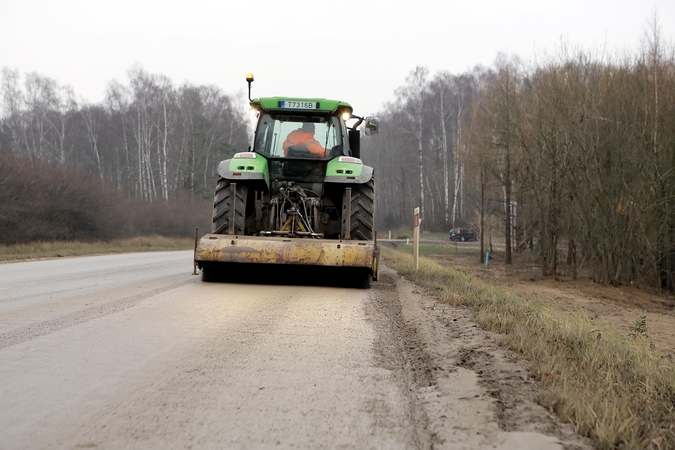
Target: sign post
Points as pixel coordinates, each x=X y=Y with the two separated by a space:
x=416 y=240
x=194 y=254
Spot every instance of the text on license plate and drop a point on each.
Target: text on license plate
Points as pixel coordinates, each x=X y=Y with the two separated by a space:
x=292 y=104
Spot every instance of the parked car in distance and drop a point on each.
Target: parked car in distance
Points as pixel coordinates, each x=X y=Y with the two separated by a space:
x=463 y=234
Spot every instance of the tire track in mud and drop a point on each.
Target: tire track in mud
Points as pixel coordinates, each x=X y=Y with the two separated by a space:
x=464 y=389
x=397 y=350
x=33 y=331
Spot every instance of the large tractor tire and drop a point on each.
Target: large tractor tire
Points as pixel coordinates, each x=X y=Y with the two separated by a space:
x=362 y=218
x=229 y=204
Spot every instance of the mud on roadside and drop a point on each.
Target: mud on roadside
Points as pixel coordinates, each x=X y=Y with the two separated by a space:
x=465 y=390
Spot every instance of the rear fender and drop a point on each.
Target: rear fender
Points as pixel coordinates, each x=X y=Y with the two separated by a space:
x=348 y=172
x=245 y=168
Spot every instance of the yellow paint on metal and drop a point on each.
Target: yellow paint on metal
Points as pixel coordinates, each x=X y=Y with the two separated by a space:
x=293 y=223
x=279 y=250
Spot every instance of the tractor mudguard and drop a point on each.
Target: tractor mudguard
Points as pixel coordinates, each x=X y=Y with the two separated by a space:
x=348 y=173
x=245 y=168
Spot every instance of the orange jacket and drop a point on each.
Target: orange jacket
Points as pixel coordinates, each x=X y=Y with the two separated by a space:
x=306 y=139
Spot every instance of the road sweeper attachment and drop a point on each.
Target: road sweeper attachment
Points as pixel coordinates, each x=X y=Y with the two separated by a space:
x=301 y=197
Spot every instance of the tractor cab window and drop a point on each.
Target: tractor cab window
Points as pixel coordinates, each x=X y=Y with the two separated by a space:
x=298 y=137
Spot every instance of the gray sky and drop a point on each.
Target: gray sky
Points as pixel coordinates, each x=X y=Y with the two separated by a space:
x=359 y=52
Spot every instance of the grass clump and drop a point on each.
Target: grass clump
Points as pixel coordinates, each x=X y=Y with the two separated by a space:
x=37 y=250
x=446 y=248
x=618 y=390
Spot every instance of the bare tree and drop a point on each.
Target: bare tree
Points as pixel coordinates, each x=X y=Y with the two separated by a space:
x=414 y=95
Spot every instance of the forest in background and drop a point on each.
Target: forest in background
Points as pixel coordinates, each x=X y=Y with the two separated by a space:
x=572 y=157
x=143 y=161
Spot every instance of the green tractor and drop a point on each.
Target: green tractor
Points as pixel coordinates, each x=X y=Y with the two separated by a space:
x=299 y=197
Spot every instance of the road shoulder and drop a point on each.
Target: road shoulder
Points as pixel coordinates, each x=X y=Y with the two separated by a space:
x=466 y=390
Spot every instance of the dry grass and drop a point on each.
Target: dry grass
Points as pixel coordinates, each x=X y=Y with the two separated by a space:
x=39 y=250
x=618 y=390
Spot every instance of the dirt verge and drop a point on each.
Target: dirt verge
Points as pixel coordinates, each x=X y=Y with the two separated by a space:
x=620 y=308
x=467 y=391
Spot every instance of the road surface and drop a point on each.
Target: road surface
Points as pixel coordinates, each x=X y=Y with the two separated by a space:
x=132 y=351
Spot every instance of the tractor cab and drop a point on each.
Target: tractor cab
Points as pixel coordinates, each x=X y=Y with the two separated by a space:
x=283 y=136
x=298 y=147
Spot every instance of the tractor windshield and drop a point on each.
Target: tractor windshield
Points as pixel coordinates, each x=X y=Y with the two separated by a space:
x=298 y=137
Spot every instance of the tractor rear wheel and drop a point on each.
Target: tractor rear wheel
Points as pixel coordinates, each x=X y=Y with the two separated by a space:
x=229 y=204
x=362 y=219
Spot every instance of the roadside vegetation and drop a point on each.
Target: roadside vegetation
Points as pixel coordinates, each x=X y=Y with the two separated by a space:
x=616 y=389
x=570 y=147
x=42 y=202
x=38 y=250
x=447 y=248
x=141 y=163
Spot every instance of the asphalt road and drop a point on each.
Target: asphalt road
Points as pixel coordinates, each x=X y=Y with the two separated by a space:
x=132 y=351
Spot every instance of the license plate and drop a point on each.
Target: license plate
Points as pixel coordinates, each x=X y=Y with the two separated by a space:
x=292 y=104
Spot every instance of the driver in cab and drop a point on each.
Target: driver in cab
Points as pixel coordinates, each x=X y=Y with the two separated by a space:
x=303 y=139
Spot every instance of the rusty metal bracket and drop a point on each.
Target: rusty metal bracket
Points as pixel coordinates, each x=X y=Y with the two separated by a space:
x=347 y=214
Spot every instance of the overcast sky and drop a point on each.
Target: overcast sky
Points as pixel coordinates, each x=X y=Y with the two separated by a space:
x=357 y=51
